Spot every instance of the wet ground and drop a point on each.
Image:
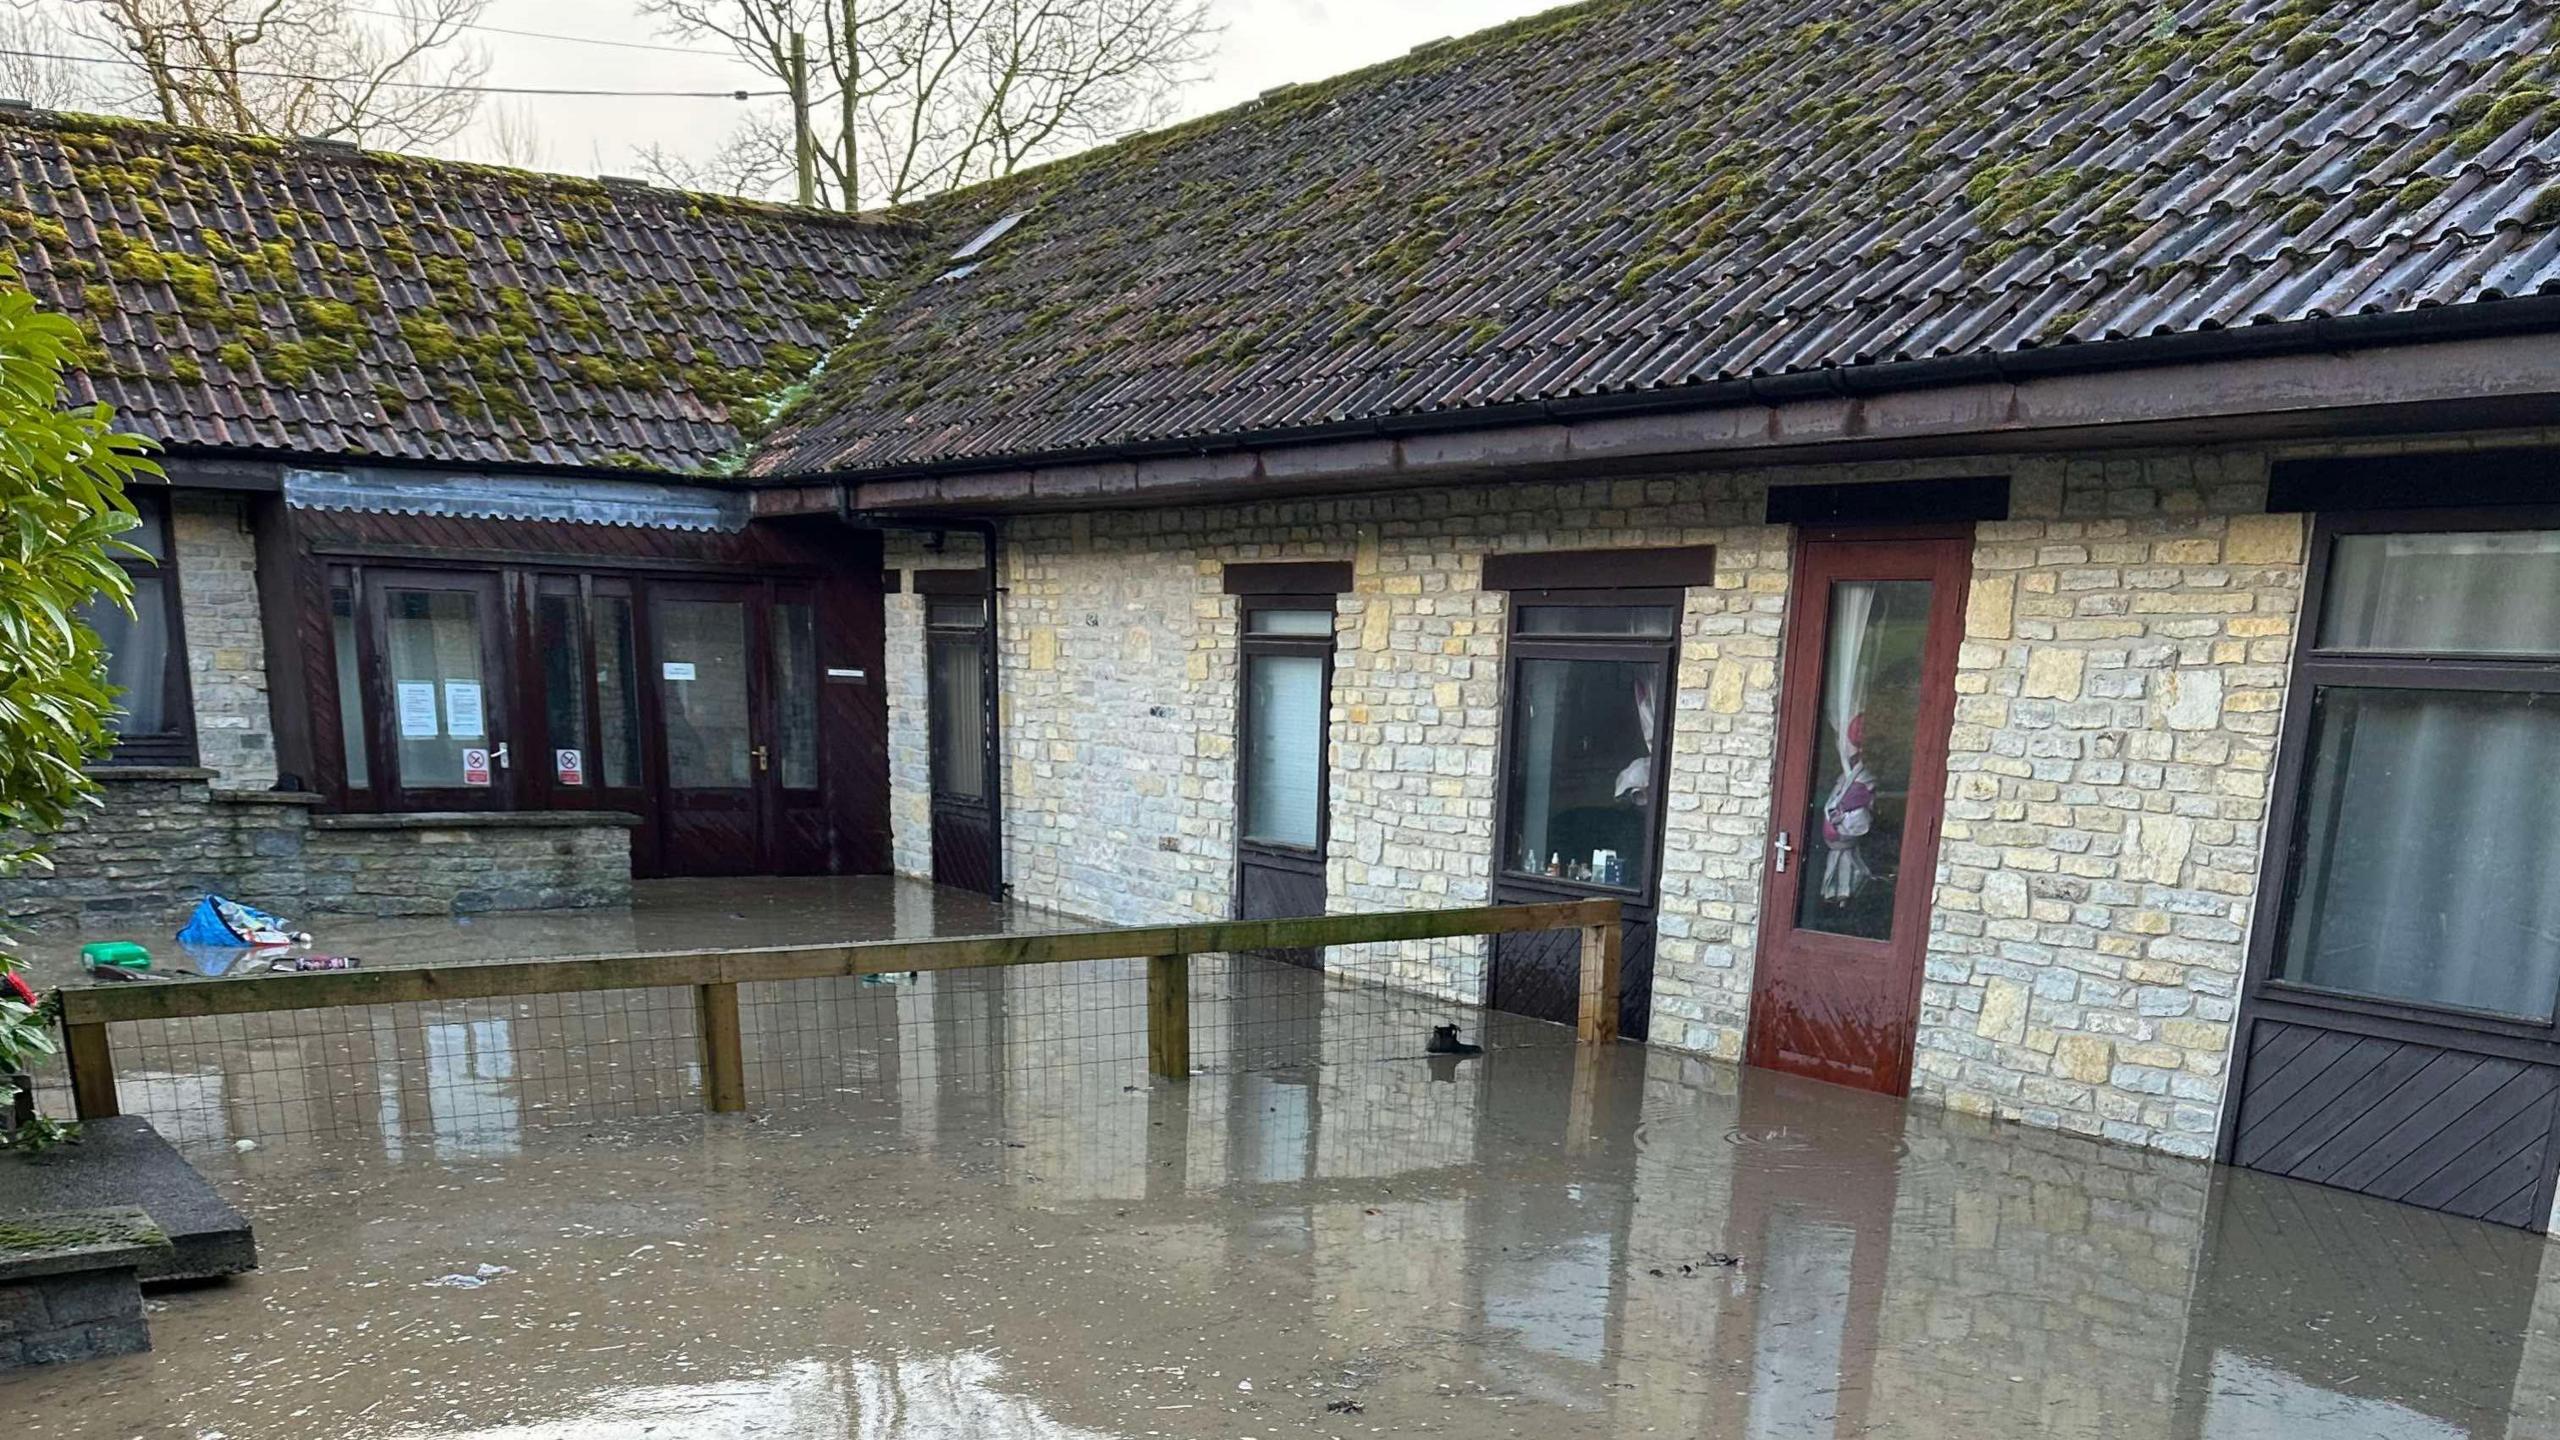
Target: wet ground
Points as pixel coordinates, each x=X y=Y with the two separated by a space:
x=663 y=915
x=962 y=1211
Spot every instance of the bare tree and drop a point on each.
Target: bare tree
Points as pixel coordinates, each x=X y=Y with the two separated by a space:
x=511 y=136
x=907 y=97
x=396 y=73
x=27 y=38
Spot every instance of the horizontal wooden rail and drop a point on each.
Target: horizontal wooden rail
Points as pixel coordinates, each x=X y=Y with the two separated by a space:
x=715 y=975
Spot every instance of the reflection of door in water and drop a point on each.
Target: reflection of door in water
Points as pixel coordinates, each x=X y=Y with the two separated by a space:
x=1870 y=670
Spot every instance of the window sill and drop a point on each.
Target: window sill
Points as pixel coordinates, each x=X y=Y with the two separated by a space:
x=114 y=772
x=481 y=820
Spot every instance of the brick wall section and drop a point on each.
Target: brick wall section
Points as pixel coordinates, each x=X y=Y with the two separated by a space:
x=2129 y=632
x=81 y=1315
x=2118 y=695
x=226 y=649
x=140 y=863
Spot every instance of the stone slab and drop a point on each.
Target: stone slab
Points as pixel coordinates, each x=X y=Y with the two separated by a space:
x=123 y=1161
x=119 y=1237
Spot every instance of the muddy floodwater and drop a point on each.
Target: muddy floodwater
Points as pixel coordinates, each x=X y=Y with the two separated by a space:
x=952 y=1227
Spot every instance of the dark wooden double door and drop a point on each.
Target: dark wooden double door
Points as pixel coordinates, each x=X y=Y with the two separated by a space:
x=692 y=704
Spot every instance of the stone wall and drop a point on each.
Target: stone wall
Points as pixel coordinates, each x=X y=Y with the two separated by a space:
x=166 y=837
x=226 y=648
x=2128 y=634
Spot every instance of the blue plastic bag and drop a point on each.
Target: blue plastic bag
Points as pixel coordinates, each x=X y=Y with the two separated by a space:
x=221 y=922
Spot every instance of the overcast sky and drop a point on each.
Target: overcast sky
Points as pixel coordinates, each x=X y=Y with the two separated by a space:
x=1264 y=43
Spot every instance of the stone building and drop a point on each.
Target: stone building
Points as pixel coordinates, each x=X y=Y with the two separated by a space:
x=2017 y=542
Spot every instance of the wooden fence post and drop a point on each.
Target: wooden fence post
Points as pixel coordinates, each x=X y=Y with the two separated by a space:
x=724 y=1056
x=1169 y=1016
x=93 y=1070
x=1597 y=1022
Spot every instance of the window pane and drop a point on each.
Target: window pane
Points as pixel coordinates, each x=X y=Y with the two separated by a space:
x=1284 y=716
x=342 y=634
x=1581 y=782
x=617 y=692
x=1289 y=622
x=955 y=612
x=152 y=535
x=1595 y=619
x=1852 y=836
x=564 y=681
x=958 y=720
x=433 y=637
x=137 y=647
x=2493 y=592
x=702 y=647
x=2427 y=856
x=795 y=691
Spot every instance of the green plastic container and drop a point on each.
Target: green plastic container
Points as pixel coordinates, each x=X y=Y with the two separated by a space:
x=121 y=953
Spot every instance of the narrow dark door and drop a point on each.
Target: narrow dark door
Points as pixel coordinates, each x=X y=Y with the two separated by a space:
x=960 y=736
x=1862 y=754
x=441 y=688
x=1586 y=731
x=1281 y=761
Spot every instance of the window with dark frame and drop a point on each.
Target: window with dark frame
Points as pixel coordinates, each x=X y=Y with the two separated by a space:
x=1590 y=676
x=2420 y=861
x=147 y=649
x=956 y=731
x=1287 y=654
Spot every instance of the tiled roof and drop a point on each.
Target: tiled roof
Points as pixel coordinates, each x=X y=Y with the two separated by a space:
x=247 y=295
x=1639 y=195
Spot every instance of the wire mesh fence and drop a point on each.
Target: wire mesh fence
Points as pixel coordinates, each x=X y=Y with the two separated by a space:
x=471 y=1076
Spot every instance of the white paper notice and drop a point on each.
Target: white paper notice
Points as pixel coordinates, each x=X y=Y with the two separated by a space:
x=677 y=669
x=418 y=710
x=462 y=710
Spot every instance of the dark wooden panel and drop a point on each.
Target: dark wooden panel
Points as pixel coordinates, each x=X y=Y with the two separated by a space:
x=949 y=582
x=964 y=848
x=1277 y=887
x=1668 y=567
x=1289 y=577
x=2430 y=1125
x=1539 y=974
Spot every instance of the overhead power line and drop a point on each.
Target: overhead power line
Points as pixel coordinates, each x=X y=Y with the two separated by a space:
x=728 y=55
x=131 y=64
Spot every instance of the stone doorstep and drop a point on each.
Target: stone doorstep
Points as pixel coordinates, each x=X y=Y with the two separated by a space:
x=122 y=1161
x=70 y=1287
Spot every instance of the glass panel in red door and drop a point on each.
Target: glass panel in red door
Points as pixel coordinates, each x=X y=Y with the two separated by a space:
x=1870 y=671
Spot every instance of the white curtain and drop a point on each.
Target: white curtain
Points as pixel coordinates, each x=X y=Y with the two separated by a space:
x=1636 y=778
x=1847 y=813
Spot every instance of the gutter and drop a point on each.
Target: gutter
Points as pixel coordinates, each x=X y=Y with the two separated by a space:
x=2314 y=335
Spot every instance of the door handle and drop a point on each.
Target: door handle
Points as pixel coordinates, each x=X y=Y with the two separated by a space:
x=498 y=757
x=762 y=758
x=1785 y=847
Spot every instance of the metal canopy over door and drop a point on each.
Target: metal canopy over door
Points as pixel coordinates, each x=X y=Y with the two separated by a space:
x=2400 y=1027
x=736 y=687
x=438 y=658
x=1869 y=696
x=960 y=730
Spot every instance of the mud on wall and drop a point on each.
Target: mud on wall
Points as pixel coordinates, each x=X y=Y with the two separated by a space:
x=2127 y=638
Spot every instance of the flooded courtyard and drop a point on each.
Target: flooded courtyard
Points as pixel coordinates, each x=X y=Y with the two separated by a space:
x=960 y=1209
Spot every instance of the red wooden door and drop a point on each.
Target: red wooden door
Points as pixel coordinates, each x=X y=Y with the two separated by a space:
x=1869 y=694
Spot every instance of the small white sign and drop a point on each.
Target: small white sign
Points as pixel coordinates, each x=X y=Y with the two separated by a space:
x=570 y=765
x=475 y=767
x=462 y=719
x=418 y=710
x=677 y=669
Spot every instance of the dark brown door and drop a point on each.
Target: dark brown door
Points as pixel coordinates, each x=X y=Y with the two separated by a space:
x=441 y=686
x=960 y=731
x=736 y=682
x=584 y=733
x=1862 y=753
x=1281 y=761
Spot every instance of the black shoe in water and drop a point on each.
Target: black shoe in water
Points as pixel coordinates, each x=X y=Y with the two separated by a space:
x=1445 y=1041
